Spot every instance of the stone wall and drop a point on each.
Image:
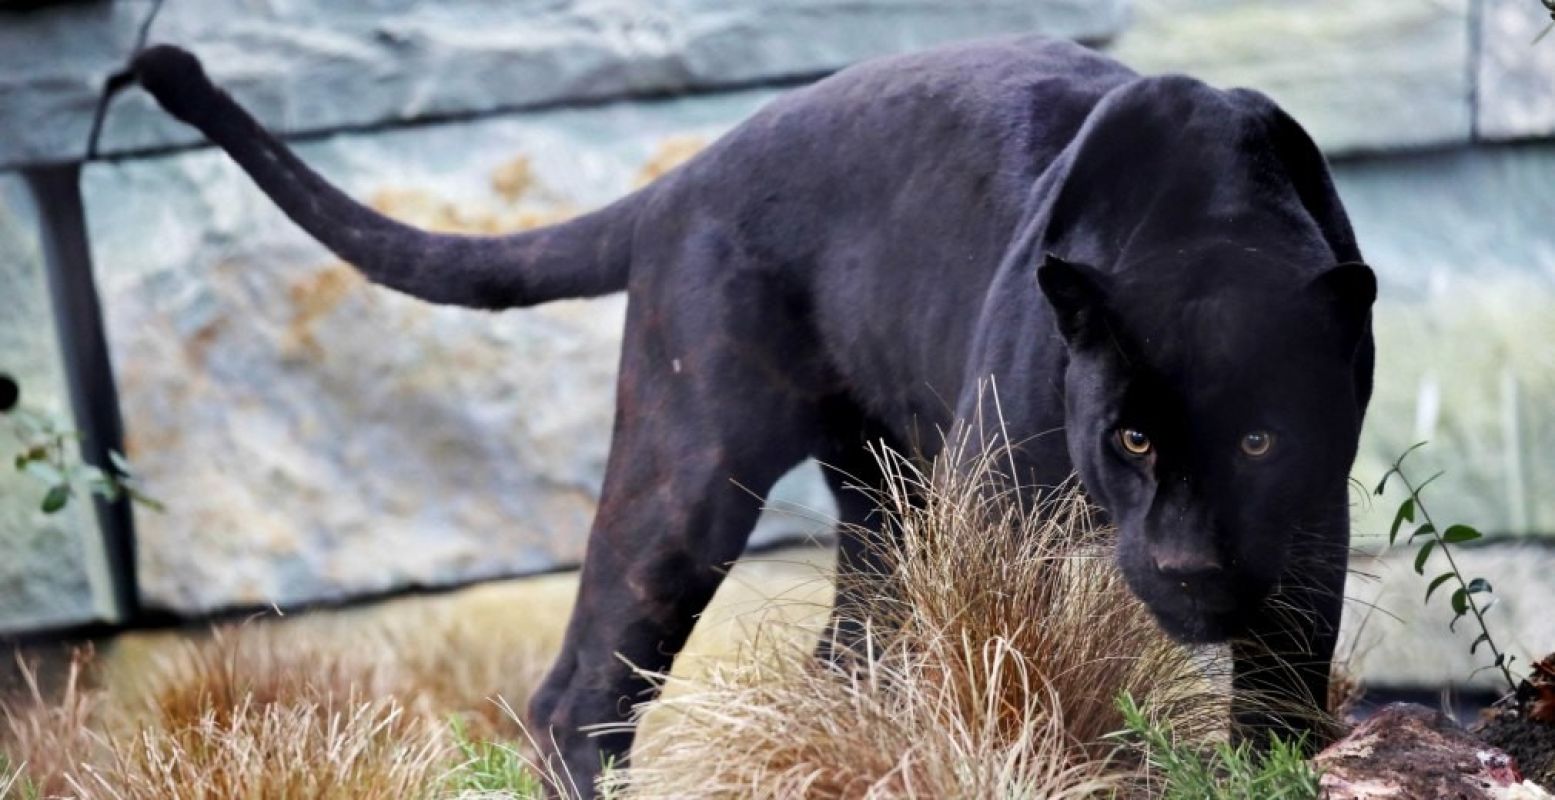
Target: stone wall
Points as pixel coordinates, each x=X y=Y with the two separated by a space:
x=307 y=67
x=315 y=437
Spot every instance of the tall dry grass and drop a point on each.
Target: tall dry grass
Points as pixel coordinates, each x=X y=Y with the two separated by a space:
x=266 y=710
x=224 y=719
x=343 y=748
x=998 y=641
x=47 y=735
x=999 y=637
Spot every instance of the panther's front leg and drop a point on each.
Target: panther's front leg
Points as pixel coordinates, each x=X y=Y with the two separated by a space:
x=1281 y=666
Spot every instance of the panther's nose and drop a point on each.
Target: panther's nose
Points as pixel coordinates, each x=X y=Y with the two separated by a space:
x=1183 y=564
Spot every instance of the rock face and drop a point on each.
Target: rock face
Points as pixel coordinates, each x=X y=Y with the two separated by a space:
x=316 y=437
x=1407 y=751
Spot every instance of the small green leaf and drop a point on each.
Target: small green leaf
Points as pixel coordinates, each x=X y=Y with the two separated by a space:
x=1382 y=485
x=1460 y=602
x=1479 y=585
x=44 y=471
x=1460 y=533
x=56 y=499
x=1420 y=557
x=1406 y=513
x=1435 y=582
x=1452 y=626
x=1423 y=530
x=1482 y=638
x=119 y=463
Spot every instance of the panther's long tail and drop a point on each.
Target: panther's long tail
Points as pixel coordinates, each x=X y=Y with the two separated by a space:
x=584 y=257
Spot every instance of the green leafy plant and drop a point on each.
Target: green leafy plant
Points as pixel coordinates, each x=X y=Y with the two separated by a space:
x=1226 y=772
x=46 y=455
x=491 y=768
x=1470 y=596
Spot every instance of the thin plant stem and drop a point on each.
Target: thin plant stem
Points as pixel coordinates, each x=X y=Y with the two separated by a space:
x=1452 y=564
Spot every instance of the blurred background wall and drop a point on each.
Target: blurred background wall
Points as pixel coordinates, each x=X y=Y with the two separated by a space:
x=316 y=438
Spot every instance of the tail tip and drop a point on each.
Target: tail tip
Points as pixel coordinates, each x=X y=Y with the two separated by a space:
x=174 y=76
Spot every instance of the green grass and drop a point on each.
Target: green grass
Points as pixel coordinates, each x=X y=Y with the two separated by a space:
x=491 y=768
x=1225 y=772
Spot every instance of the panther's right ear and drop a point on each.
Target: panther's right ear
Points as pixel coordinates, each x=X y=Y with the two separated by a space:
x=1348 y=291
x=1079 y=296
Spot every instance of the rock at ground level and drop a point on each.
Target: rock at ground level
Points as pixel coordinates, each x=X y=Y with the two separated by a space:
x=1410 y=751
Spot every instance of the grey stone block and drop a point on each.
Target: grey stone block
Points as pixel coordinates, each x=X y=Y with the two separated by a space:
x=1391 y=638
x=322 y=66
x=1516 y=75
x=1363 y=75
x=1464 y=248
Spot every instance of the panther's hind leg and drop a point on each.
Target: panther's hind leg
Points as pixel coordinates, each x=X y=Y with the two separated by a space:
x=856 y=478
x=708 y=417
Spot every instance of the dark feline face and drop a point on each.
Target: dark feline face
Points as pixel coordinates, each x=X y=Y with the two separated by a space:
x=1212 y=416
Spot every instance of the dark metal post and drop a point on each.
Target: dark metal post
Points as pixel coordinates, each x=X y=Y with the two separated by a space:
x=94 y=398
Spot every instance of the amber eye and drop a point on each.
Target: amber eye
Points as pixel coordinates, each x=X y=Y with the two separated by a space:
x=1257 y=443
x=1133 y=442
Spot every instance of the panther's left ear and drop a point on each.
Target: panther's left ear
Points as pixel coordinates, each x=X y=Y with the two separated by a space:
x=1349 y=290
x=1079 y=297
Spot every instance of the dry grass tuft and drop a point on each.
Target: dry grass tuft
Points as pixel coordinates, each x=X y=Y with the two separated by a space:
x=1000 y=641
x=46 y=737
x=234 y=715
x=315 y=709
x=237 y=670
x=345 y=748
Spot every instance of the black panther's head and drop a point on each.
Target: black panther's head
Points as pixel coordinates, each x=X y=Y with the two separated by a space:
x=1211 y=409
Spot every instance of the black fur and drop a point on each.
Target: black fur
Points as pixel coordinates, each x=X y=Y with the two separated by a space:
x=848 y=266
